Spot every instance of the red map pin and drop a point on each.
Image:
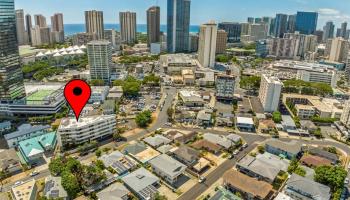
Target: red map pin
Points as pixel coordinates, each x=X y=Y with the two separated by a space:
x=77 y=93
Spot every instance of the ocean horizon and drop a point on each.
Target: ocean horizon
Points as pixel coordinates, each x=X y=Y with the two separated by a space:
x=71 y=29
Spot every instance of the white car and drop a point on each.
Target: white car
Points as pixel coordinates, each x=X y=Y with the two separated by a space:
x=18 y=183
x=235 y=152
x=201 y=179
x=34 y=173
x=245 y=145
x=346 y=181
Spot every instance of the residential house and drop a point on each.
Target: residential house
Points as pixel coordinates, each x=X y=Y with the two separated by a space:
x=116 y=191
x=24 y=191
x=266 y=126
x=204 y=117
x=10 y=162
x=317 y=151
x=140 y=152
x=286 y=149
x=224 y=194
x=186 y=155
x=219 y=140
x=245 y=124
x=235 y=138
x=167 y=168
x=308 y=125
x=314 y=161
x=299 y=187
x=264 y=167
x=157 y=140
x=143 y=183
x=180 y=136
x=249 y=188
x=118 y=162
x=208 y=146
x=32 y=150
x=24 y=132
x=5 y=126
x=53 y=188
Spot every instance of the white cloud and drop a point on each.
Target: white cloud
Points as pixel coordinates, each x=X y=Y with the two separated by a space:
x=328 y=11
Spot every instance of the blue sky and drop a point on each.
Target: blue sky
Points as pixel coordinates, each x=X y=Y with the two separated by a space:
x=201 y=10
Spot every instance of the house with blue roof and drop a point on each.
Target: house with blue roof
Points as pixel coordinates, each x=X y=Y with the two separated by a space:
x=33 y=149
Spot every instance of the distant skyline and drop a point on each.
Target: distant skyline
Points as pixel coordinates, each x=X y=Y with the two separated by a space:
x=201 y=10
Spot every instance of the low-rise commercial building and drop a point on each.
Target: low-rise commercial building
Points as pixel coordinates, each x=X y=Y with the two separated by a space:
x=245 y=123
x=167 y=168
x=175 y=63
x=98 y=94
x=307 y=106
x=191 y=98
x=86 y=129
x=25 y=191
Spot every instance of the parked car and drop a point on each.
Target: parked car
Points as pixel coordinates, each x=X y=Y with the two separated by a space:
x=18 y=183
x=245 y=145
x=201 y=179
x=34 y=173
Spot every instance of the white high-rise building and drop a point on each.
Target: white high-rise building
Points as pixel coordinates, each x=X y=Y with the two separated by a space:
x=35 y=36
x=338 y=49
x=207 y=44
x=86 y=129
x=345 y=116
x=270 y=92
x=100 y=60
x=128 y=26
x=57 y=28
x=21 y=32
x=304 y=43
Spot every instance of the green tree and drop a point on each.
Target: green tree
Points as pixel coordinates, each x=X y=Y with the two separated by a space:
x=170 y=113
x=151 y=80
x=222 y=58
x=276 y=117
x=98 y=152
x=144 y=118
x=300 y=171
x=332 y=176
x=97 y=82
x=250 y=82
x=160 y=197
x=293 y=165
x=99 y=164
x=56 y=166
x=70 y=183
x=261 y=149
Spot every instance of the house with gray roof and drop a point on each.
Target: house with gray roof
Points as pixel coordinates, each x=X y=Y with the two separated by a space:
x=186 y=155
x=10 y=162
x=143 y=183
x=264 y=166
x=24 y=132
x=219 y=140
x=119 y=162
x=54 y=189
x=299 y=187
x=286 y=149
x=234 y=138
x=157 y=140
x=116 y=191
x=167 y=168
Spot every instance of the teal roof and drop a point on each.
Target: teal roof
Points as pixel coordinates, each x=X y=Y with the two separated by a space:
x=48 y=139
x=37 y=145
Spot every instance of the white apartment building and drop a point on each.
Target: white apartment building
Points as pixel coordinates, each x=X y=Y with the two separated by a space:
x=318 y=76
x=225 y=87
x=207 y=44
x=345 y=117
x=100 y=60
x=270 y=92
x=98 y=94
x=337 y=49
x=86 y=129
